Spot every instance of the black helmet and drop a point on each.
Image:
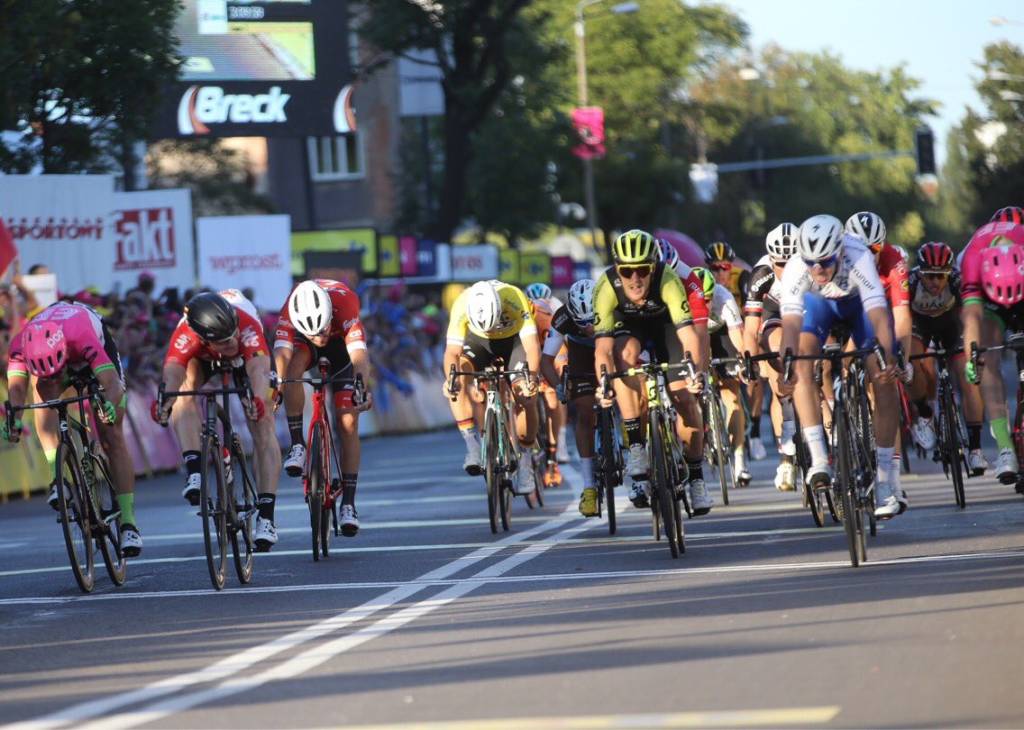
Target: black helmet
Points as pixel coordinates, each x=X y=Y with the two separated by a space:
x=211 y=316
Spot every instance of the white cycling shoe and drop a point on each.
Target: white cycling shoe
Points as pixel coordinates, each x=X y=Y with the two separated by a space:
x=1006 y=467
x=757 y=449
x=888 y=505
x=192 y=487
x=637 y=463
x=472 y=463
x=638 y=495
x=923 y=433
x=295 y=460
x=785 y=475
x=527 y=481
x=977 y=463
x=348 y=520
x=820 y=475
x=131 y=541
x=265 y=535
x=701 y=500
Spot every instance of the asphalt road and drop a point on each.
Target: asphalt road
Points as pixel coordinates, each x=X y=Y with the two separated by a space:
x=426 y=617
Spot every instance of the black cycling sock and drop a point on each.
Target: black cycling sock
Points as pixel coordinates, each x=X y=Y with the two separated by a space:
x=634 y=432
x=973 y=436
x=348 y=487
x=191 y=461
x=295 y=430
x=696 y=469
x=755 y=427
x=265 y=503
x=924 y=408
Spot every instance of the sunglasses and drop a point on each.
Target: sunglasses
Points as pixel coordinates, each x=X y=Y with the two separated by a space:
x=823 y=263
x=720 y=267
x=628 y=272
x=226 y=340
x=936 y=275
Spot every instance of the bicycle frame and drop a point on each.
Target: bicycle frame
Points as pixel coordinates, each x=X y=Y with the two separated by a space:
x=952 y=432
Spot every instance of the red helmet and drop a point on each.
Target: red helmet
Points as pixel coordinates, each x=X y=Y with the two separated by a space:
x=1002 y=273
x=46 y=349
x=1009 y=214
x=935 y=257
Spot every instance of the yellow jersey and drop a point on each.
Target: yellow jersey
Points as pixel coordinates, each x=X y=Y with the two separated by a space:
x=516 y=317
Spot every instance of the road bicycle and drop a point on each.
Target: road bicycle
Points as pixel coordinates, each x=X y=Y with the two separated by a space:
x=499 y=452
x=950 y=428
x=663 y=448
x=852 y=439
x=319 y=488
x=717 y=449
x=1014 y=343
x=87 y=506
x=227 y=513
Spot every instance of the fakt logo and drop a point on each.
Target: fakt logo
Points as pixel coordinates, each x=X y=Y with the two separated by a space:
x=204 y=105
x=145 y=239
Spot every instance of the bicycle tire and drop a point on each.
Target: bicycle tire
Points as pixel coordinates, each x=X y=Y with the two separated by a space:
x=540 y=468
x=720 y=456
x=662 y=489
x=491 y=477
x=74 y=520
x=212 y=501
x=109 y=537
x=607 y=462
x=844 y=475
x=315 y=486
x=241 y=526
x=952 y=451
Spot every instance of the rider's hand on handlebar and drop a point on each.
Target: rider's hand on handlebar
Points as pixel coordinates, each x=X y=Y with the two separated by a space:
x=366 y=403
x=696 y=384
x=255 y=408
x=106 y=411
x=12 y=435
x=972 y=372
x=907 y=374
x=161 y=415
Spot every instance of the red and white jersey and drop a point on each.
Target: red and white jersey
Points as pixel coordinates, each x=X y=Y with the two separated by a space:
x=186 y=344
x=345 y=322
x=894 y=275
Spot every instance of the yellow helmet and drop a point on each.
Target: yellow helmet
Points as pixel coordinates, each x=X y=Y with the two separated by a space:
x=634 y=247
x=719 y=252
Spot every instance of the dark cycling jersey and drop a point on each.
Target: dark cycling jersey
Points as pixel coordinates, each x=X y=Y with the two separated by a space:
x=564 y=327
x=764 y=288
x=666 y=300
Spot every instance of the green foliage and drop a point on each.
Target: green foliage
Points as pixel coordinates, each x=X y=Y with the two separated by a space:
x=79 y=79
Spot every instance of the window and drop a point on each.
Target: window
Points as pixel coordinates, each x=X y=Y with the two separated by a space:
x=336 y=158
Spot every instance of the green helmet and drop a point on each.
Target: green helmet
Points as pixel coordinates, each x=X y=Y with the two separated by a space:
x=707 y=281
x=634 y=247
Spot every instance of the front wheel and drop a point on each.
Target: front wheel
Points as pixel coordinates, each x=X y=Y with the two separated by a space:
x=608 y=474
x=719 y=439
x=315 y=486
x=491 y=476
x=662 y=488
x=213 y=509
x=243 y=513
x=845 y=476
x=74 y=517
x=953 y=445
x=109 y=512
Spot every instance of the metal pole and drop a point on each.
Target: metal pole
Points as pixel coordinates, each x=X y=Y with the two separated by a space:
x=581 y=80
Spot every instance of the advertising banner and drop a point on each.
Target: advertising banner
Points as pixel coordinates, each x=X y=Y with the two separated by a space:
x=589 y=123
x=508 y=265
x=247 y=251
x=363 y=240
x=389 y=264
x=426 y=258
x=583 y=270
x=407 y=250
x=535 y=267
x=473 y=263
x=341 y=266
x=89 y=235
x=562 y=272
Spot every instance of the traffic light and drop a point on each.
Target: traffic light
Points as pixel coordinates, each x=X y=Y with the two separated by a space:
x=925 y=145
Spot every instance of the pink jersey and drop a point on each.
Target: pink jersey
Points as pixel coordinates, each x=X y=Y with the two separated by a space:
x=990 y=234
x=83 y=331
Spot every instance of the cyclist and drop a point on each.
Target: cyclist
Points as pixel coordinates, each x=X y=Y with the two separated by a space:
x=543 y=305
x=321 y=319
x=572 y=328
x=763 y=332
x=492 y=319
x=65 y=339
x=639 y=302
x=833 y=279
x=725 y=328
x=987 y=314
x=719 y=258
x=223 y=326
x=935 y=304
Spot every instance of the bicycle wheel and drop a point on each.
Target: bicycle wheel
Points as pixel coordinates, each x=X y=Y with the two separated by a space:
x=212 y=504
x=952 y=447
x=74 y=517
x=661 y=486
x=540 y=468
x=606 y=458
x=719 y=438
x=491 y=476
x=108 y=534
x=242 y=514
x=315 y=486
x=845 y=477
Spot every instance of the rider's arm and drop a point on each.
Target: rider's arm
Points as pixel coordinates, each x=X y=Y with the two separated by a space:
x=113 y=390
x=284 y=344
x=531 y=345
x=552 y=345
x=751 y=324
x=258 y=370
x=879 y=318
x=903 y=327
x=673 y=294
x=173 y=376
x=796 y=281
x=874 y=301
x=971 y=315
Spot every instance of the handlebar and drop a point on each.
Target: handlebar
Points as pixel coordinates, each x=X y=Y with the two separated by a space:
x=833 y=356
x=493 y=373
x=646 y=369
x=940 y=353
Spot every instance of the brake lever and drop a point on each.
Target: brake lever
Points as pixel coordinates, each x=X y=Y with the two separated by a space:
x=453 y=384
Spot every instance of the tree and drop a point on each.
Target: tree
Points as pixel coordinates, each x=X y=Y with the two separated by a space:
x=79 y=79
x=470 y=39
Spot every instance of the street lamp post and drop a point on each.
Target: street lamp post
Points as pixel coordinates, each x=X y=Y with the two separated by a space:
x=584 y=100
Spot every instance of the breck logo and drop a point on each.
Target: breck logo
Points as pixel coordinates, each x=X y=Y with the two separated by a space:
x=203 y=105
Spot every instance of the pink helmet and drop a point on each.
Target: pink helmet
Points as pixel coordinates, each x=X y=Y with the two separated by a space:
x=1002 y=274
x=46 y=349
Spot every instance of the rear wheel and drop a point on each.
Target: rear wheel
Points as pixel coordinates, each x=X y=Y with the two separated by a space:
x=491 y=476
x=243 y=520
x=316 y=484
x=608 y=471
x=109 y=511
x=74 y=517
x=719 y=439
x=212 y=501
x=845 y=477
x=954 y=449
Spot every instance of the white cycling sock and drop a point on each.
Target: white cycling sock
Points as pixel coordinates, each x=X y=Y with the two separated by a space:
x=885 y=454
x=815 y=438
x=587 y=468
x=788 y=447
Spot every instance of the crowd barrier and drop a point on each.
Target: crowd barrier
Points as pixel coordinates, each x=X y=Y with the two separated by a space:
x=155 y=449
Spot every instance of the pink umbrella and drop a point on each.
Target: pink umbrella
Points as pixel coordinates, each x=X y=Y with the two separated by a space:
x=689 y=251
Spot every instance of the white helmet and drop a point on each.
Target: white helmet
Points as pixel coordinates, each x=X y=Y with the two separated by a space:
x=868 y=227
x=821 y=237
x=781 y=242
x=309 y=308
x=581 y=302
x=483 y=305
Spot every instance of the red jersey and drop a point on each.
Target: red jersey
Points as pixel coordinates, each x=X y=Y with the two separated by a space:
x=895 y=277
x=970 y=260
x=345 y=320
x=186 y=344
x=694 y=293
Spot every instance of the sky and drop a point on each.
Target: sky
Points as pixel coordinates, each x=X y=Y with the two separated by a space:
x=939 y=40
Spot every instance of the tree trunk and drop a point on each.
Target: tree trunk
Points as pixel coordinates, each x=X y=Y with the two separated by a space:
x=453 y=187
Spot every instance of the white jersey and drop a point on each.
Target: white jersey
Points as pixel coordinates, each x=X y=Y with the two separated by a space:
x=723 y=311
x=856 y=275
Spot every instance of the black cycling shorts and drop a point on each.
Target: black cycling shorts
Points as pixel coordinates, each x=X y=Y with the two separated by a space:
x=482 y=352
x=582 y=380
x=944 y=330
x=658 y=336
